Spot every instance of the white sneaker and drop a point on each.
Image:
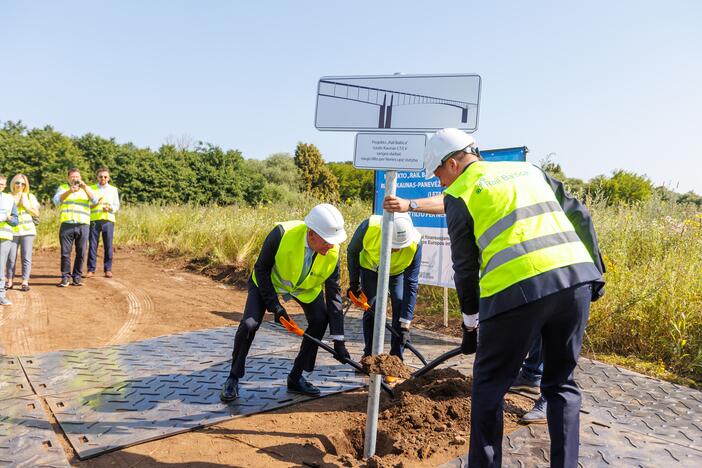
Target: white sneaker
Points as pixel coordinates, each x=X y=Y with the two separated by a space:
x=5 y=301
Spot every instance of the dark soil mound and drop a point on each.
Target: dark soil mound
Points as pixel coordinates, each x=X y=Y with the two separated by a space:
x=384 y=364
x=426 y=415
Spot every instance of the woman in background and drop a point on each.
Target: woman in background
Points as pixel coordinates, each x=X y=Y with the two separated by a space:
x=24 y=232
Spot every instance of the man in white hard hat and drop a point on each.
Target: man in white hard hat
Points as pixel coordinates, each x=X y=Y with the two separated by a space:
x=526 y=260
x=363 y=258
x=297 y=259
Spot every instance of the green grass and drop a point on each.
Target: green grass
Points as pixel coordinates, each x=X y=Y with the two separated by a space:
x=651 y=313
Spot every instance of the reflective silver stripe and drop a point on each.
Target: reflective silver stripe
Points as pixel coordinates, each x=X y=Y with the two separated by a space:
x=6 y=232
x=532 y=245
x=69 y=210
x=76 y=202
x=520 y=213
x=283 y=281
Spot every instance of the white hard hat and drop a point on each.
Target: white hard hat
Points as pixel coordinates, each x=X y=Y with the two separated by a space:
x=443 y=143
x=404 y=233
x=326 y=220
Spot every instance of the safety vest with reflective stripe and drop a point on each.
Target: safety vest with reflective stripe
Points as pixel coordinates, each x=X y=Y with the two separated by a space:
x=369 y=258
x=6 y=203
x=519 y=226
x=75 y=207
x=289 y=260
x=106 y=195
x=26 y=225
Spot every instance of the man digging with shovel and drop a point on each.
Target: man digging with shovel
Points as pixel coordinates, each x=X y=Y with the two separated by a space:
x=363 y=257
x=296 y=259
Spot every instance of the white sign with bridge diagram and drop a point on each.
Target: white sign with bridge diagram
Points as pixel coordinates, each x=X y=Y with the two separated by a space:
x=398 y=103
x=389 y=151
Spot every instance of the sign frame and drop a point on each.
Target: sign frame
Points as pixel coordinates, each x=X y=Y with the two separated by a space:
x=371 y=95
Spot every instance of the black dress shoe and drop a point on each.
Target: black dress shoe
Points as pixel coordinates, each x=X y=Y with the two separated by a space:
x=230 y=389
x=301 y=385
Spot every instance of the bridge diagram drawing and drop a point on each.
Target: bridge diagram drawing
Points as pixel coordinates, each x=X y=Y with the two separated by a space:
x=398 y=103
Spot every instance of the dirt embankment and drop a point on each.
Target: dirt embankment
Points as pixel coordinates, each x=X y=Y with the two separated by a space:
x=428 y=416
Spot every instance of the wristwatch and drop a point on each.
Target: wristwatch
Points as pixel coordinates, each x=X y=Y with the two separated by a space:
x=413 y=205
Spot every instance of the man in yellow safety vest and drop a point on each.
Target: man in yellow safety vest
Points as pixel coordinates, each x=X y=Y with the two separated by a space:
x=527 y=263
x=102 y=221
x=74 y=199
x=363 y=258
x=297 y=259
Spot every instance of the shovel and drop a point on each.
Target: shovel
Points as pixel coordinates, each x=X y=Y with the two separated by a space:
x=291 y=326
x=362 y=302
x=444 y=357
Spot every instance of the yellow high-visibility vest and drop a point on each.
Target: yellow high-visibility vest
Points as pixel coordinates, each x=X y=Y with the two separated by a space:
x=289 y=260
x=369 y=258
x=26 y=225
x=75 y=207
x=519 y=226
x=96 y=211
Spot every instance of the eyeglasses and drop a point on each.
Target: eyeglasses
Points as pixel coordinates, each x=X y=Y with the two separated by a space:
x=103 y=177
x=468 y=149
x=20 y=183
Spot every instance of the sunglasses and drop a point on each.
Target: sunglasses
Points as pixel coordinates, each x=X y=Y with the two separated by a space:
x=20 y=183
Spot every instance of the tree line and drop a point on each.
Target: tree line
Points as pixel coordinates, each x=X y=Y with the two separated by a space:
x=203 y=173
x=623 y=187
x=200 y=173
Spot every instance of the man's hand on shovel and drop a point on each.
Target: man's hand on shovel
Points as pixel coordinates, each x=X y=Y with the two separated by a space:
x=339 y=354
x=362 y=302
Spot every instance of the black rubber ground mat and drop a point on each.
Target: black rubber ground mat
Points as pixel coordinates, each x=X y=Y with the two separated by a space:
x=26 y=436
x=151 y=407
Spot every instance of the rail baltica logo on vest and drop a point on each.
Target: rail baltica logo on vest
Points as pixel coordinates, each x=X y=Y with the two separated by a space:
x=485 y=182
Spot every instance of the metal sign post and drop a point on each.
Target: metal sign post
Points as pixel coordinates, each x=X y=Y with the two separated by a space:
x=381 y=303
x=395 y=111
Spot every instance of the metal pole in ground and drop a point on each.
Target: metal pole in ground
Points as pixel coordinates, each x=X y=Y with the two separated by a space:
x=379 y=319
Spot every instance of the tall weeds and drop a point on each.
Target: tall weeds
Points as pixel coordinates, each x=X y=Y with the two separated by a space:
x=652 y=308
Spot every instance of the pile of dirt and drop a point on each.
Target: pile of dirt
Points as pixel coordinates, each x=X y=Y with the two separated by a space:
x=427 y=415
x=384 y=364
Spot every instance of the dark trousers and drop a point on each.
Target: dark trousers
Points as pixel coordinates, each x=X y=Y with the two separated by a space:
x=315 y=312
x=503 y=341
x=70 y=234
x=533 y=366
x=369 y=284
x=107 y=230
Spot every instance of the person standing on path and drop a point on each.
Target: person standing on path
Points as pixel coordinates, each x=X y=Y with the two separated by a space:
x=102 y=221
x=527 y=262
x=297 y=258
x=25 y=232
x=8 y=220
x=74 y=199
x=363 y=259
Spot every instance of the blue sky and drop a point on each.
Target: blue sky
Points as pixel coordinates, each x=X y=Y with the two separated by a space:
x=599 y=85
